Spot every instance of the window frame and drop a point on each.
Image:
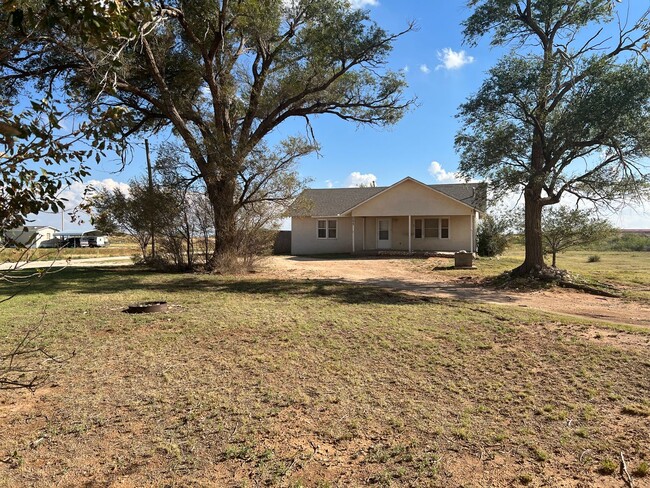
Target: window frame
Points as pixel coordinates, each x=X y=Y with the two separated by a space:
x=419 y=224
x=448 y=227
x=420 y=228
x=435 y=227
x=327 y=228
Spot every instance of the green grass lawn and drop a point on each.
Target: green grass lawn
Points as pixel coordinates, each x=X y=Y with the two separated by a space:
x=249 y=382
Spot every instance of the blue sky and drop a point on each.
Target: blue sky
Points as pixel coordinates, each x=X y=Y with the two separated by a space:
x=441 y=73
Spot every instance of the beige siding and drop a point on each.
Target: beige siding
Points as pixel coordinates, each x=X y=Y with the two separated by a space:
x=459 y=235
x=411 y=198
x=396 y=203
x=460 y=238
x=304 y=237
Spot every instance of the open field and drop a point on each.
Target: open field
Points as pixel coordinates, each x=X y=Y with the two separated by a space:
x=255 y=381
x=119 y=246
x=628 y=271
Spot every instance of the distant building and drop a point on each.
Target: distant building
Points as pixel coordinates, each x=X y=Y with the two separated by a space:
x=91 y=238
x=31 y=236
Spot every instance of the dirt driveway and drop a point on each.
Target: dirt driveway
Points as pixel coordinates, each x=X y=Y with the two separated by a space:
x=403 y=275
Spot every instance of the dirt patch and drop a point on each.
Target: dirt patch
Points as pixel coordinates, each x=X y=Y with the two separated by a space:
x=434 y=277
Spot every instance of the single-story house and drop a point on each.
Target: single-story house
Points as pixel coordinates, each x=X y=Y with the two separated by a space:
x=407 y=216
x=30 y=236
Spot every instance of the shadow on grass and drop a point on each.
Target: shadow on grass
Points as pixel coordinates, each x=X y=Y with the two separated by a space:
x=109 y=280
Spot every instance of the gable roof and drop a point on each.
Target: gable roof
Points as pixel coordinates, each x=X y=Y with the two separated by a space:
x=32 y=228
x=331 y=202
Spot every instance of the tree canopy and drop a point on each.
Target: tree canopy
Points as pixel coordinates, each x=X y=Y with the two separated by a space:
x=223 y=75
x=565 y=113
x=42 y=147
x=564 y=227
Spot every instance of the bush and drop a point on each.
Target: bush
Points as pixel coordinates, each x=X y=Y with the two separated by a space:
x=593 y=259
x=493 y=235
x=607 y=466
x=642 y=470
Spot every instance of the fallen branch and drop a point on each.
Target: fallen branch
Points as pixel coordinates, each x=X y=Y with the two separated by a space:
x=625 y=474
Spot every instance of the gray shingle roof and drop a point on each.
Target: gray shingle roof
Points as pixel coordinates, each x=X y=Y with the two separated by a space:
x=329 y=202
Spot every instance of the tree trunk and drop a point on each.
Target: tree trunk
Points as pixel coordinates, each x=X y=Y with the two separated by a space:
x=554 y=260
x=222 y=194
x=534 y=260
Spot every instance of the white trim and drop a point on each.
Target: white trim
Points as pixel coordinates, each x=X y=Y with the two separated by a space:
x=471 y=232
x=327 y=229
x=448 y=228
x=390 y=231
x=422 y=219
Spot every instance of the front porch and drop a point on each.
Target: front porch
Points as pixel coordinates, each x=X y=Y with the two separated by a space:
x=409 y=234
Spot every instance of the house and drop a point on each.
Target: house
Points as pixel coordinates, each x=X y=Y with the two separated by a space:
x=30 y=236
x=407 y=216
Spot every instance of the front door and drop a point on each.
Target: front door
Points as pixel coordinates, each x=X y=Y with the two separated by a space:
x=383 y=233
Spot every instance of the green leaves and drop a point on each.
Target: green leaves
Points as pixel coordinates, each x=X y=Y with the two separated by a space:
x=564 y=228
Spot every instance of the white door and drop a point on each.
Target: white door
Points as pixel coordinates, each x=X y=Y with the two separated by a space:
x=383 y=233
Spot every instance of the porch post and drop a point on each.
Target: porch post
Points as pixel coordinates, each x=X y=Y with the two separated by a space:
x=471 y=229
x=353 y=222
x=410 y=246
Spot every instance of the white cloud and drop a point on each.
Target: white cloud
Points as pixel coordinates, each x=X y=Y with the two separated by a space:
x=405 y=69
x=425 y=69
x=355 y=4
x=74 y=195
x=441 y=174
x=363 y=3
x=357 y=179
x=329 y=184
x=450 y=59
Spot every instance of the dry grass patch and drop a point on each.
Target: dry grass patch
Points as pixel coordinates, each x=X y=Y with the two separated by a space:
x=248 y=382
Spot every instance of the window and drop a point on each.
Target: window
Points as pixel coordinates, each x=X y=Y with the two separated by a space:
x=444 y=228
x=327 y=229
x=384 y=230
x=431 y=227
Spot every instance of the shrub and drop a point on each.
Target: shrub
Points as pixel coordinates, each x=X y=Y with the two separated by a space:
x=493 y=235
x=642 y=470
x=593 y=259
x=607 y=466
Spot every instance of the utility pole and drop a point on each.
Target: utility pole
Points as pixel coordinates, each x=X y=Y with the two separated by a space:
x=153 y=241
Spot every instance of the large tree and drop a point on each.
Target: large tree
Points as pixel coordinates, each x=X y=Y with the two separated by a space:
x=565 y=113
x=224 y=75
